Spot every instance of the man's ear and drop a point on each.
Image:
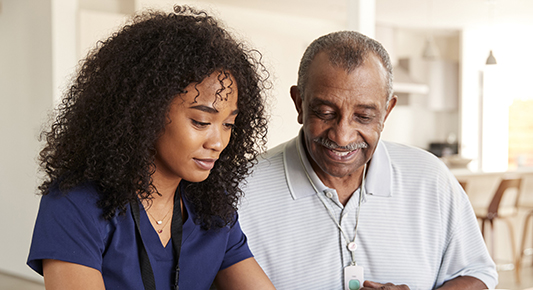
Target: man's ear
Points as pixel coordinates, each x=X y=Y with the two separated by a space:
x=390 y=106
x=297 y=99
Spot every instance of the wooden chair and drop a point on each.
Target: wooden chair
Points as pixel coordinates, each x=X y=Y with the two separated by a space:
x=497 y=210
x=529 y=216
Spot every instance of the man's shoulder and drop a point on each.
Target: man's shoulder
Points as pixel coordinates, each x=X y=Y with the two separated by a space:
x=394 y=146
x=413 y=164
x=270 y=158
x=268 y=172
x=399 y=151
x=406 y=158
x=273 y=153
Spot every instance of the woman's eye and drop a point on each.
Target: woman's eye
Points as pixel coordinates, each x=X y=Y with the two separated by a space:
x=229 y=125
x=199 y=124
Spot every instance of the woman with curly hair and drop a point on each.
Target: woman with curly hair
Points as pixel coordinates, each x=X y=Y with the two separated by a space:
x=142 y=163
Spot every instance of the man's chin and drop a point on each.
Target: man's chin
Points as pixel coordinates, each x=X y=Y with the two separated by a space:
x=340 y=171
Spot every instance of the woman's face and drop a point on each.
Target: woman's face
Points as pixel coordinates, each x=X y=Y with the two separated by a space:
x=199 y=128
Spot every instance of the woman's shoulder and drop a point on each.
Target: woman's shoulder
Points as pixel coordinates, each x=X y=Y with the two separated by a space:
x=80 y=202
x=85 y=195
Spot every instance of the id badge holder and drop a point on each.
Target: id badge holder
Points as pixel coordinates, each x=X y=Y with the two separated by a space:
x=353 y=277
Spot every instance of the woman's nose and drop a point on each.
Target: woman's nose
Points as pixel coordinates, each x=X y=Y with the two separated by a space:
x=217 y=139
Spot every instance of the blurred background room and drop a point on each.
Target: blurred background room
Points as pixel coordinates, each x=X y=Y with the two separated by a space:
x=462 y=72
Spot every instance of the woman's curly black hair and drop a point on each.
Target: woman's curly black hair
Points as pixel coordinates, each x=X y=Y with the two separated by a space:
x=117 y=107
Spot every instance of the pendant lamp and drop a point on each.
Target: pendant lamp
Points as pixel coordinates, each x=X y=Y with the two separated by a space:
x=491 y=59
x=491 y=3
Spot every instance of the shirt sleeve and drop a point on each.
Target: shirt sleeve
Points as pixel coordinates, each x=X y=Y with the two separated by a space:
x=68 y=228
x=465 y=253
x=237 y=247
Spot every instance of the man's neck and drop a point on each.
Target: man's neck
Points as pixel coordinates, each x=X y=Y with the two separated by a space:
x=345 y=186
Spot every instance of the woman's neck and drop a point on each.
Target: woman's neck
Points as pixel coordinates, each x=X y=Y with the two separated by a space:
x=166 y=187
x=160 y=207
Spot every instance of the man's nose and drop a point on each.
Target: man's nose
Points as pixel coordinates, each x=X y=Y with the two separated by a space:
x=343 y=132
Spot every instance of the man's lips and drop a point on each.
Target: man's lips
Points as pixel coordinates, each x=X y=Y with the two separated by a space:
x=341 y=155
x=205 y=164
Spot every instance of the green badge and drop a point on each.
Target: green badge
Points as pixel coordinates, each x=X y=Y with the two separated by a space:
x=354 y=285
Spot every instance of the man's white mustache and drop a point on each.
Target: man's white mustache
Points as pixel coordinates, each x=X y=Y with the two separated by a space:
x=334 y=146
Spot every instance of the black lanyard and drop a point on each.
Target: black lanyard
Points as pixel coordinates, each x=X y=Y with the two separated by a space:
x=176 y=228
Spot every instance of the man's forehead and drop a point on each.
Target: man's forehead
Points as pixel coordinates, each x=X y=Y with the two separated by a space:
x=371 y=70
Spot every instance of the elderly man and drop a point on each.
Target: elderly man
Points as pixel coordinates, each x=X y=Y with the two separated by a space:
x=338 y=208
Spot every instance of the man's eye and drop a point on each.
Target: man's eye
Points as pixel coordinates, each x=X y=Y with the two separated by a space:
x=364 y=118
x=326 y=115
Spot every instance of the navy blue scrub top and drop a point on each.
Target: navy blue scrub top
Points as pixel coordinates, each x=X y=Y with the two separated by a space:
x=71 y=228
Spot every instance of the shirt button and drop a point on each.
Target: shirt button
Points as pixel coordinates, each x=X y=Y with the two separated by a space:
x=329 y=194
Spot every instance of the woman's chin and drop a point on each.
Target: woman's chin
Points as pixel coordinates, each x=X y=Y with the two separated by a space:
x=198 y=177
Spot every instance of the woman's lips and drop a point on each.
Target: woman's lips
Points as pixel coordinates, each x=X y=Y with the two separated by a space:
x=205 y=164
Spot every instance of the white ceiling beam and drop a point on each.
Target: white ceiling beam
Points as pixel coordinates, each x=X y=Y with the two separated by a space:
x=362 y=16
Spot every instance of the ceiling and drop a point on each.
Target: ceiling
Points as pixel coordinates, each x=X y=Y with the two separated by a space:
x=415 y=14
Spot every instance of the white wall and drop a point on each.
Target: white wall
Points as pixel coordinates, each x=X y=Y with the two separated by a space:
x=498 y=85
x=26 y=95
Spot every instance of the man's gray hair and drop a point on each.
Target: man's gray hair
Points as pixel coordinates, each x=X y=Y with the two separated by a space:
x=346 y=49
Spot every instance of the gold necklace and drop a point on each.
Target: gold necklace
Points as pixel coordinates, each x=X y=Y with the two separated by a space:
x=159 y=231
x=161 y=220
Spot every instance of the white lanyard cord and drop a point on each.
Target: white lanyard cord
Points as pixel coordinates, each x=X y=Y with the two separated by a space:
x=361 y=192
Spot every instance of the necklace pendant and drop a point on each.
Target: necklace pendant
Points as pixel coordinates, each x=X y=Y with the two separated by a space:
x=352 y=246
x=159 y=222
x=159 y=231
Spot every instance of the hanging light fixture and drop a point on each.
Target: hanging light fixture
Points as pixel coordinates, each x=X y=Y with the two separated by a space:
x=431 y=51
x=491 y=59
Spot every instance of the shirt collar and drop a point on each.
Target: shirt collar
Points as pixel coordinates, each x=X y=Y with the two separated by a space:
x=379 y=172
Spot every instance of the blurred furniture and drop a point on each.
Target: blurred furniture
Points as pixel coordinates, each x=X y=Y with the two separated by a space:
x=463 y=184
x=527 y=226
x=441 y=149
x=503 y=206
x=526 y=210
x=529 y=217
x=455 y=161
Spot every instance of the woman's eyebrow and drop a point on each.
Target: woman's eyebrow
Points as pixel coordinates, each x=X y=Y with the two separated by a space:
x=205 y=108
x=211 y=110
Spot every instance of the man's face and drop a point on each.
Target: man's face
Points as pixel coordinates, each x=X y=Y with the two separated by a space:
x=342 y=115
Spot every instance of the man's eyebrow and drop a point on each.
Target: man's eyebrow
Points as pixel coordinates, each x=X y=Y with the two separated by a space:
x=319 y=101
x=367 y=107
x=210 y=110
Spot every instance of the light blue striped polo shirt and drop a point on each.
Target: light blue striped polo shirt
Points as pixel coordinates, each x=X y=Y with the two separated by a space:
x=416 y=224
